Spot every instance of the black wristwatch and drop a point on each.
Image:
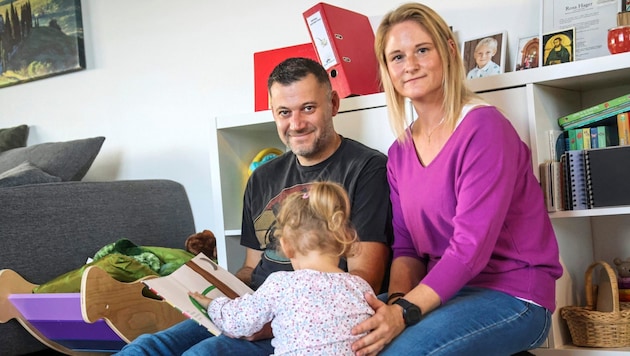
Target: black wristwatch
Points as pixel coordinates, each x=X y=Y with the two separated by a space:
x=411 y=312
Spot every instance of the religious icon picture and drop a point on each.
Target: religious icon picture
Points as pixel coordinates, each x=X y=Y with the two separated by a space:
x=559 y=47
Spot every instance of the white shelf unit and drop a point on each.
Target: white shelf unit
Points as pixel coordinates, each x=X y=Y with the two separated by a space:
x=533 y=99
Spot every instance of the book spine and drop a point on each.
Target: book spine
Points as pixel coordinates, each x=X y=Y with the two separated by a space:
x=578 y=182
x=556 y=186
x=623 y=128
x=603 y=138
x=579 y=139
x=593 y=110
x=589 y=185
x=566 y=174
x=545 y=182
x=598 y=117
x=586 y=136
x=572 y=139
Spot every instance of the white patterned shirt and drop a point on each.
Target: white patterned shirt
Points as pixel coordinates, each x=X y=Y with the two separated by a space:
x=311 y=312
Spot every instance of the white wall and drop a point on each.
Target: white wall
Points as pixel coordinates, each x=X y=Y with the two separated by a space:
x=158 y=73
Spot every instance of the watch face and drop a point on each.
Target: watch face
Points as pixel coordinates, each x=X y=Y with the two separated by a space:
x=412 y=315
x=411 y=312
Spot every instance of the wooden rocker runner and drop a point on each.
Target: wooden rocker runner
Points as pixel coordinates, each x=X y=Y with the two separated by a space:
x=105 y=316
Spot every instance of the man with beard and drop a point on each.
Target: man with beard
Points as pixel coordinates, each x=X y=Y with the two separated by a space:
x=303 y=105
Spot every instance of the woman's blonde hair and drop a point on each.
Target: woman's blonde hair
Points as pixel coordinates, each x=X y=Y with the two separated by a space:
x=456 y=93
x=318 y=219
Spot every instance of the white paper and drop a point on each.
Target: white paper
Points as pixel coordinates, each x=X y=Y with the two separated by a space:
x=323 y=43
x=591 y=19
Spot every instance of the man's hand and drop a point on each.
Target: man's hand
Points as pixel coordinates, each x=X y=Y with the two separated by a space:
x=382 y=327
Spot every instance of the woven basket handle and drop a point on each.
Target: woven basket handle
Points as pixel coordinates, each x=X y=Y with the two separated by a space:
x=613 y=284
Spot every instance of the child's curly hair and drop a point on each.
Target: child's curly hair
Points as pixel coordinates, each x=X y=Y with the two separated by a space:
x=317 y=220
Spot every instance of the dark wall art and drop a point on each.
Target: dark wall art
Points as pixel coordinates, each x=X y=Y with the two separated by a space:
x=39 y=39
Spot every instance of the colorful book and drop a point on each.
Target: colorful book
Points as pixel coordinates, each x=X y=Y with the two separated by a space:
x=202 y=275
x=594 y=137
x=572 y=139
x=609 y=113
x=607 y=172
x=579 y=139
x=586 y=136
x=623 y=128
x=599 y=108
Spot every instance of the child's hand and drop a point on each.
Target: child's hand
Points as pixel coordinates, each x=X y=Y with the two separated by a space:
x=201 y=299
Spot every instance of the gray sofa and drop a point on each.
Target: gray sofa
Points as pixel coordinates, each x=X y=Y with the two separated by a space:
x=52 y=228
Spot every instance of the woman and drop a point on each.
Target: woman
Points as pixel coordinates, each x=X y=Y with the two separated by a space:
x=475 y=255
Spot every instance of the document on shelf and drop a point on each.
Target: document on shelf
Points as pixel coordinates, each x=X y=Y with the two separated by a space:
x=591 y=19
x=202 y=275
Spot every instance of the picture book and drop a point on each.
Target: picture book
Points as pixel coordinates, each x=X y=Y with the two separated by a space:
x=593 y=110
x=597 y=118
x=202 y=275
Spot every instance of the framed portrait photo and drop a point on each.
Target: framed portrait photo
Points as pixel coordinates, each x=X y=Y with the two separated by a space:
x=485 y=56
x=559 y=47
x=528 y=53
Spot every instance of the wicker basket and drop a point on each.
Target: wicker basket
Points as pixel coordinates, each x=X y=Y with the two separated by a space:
x=592 y=328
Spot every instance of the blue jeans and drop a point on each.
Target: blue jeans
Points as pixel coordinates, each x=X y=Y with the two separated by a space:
x=190 y=339
x=476 y=321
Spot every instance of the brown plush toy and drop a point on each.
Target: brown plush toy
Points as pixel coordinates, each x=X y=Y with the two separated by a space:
x=202 y=242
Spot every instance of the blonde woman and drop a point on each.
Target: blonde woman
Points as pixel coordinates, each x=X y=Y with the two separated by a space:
x=475 y=258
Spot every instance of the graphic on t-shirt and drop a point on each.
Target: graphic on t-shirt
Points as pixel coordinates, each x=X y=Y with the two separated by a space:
x=265 y=223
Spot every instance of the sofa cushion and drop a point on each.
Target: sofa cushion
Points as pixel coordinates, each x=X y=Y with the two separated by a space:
x=13 y=137
x=68 y=160
x=25 y=173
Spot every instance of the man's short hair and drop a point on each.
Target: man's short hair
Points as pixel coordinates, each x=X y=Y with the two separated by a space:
x=294 y=69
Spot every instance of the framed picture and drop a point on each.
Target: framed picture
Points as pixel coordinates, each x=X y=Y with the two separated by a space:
x=40 y=39
x=485 y=56
x=559 y=47
x=528 y=53
x=590 y=19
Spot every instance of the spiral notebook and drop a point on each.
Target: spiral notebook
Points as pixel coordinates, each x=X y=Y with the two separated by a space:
x=608 y=176
x=577 y=181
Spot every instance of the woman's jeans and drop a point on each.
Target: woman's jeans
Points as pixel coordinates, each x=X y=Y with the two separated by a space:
x=477 y=321
x=190 y=339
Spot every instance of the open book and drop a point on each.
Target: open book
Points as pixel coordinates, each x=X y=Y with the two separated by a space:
x=202 y=275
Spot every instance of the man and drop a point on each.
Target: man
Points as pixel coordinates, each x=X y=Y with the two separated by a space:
x=303 y=105
x=558 y=54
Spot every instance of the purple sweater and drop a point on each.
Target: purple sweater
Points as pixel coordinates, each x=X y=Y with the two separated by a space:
x=476 y=213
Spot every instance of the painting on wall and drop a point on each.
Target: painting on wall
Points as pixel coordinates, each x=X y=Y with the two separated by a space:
x=39 y=39
x=485 y=56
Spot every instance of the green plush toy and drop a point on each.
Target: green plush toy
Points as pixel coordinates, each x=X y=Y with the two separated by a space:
x=125 y=262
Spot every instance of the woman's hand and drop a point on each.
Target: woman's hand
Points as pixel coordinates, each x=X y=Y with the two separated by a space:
x=382 y=327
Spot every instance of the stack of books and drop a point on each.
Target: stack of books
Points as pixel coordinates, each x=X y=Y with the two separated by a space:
x=587 y=179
